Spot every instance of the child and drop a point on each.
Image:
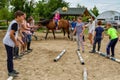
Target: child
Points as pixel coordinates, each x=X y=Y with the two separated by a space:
x=91 y=29
x=79 y=29
x=73 y=24
x=113 y=35
x=57 y=18
x=10 y=41
x=98 y=36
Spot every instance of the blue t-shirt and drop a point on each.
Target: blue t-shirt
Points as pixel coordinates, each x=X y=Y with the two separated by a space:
x=99 y=31
x=73 y=24
x=79 y=28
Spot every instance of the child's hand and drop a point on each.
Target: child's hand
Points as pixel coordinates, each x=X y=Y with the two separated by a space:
x=119 y=39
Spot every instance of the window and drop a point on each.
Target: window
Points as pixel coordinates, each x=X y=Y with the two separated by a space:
x=116 y=18
x=119 y=18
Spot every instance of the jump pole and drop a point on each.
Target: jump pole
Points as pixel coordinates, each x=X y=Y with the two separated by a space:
x=85 y=74
x=80 y=57
x=10 y=78
x=111 y=58
x=59 y=56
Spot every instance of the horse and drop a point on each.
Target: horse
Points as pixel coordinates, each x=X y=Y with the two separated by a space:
x=50 y=25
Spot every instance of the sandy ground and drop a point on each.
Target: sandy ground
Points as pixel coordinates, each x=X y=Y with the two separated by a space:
x=39 y=64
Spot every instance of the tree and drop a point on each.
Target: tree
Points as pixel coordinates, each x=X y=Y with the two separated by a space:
x=4 y=11
x=79 y=6
x=3 y=4
x=45 y=8
x=29 y=7
x=95 y=11
x=15 y=4
x=24 y=5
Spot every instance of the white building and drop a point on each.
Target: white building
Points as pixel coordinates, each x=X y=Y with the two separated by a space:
x=109 y=16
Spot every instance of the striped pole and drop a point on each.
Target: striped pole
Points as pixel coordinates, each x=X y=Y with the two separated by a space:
x=80 y=57
x=59 y=56
x=85 y=74
x=111 y=58
x=10 y=78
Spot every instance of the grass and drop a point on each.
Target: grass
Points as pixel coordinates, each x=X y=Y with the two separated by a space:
x=3 y=27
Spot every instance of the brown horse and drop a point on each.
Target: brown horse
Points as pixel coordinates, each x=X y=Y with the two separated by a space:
x=50 y=25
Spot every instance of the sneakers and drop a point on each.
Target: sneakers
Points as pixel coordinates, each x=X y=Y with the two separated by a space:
x=92 y=51
x=112 y=55
x=30 y=49
x=12 y=74
x=78 y=49
x=14 y=71
x=107 y=56
x=83 y=51
x=17 y=57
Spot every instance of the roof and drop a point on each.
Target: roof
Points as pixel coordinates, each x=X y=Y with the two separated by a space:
x=71 y=11
x=92 y=14
x=108 y=14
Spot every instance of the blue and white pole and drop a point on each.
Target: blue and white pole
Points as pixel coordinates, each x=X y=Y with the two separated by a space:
x=112 y=58
x=10 y=78
x=85 y=74
x=80 y=57
x=59 y=56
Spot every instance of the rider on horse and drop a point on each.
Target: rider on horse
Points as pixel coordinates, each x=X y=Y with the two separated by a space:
x=57 y=18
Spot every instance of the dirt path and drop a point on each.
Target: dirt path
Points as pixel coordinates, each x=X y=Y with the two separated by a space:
x=39 y=64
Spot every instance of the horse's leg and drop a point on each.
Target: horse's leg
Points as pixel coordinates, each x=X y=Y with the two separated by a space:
x=63 y=31
x=68 y=32
x=53 y=33
x=46 y=33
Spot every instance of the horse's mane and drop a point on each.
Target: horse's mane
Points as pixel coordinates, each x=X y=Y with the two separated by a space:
x=44 y=22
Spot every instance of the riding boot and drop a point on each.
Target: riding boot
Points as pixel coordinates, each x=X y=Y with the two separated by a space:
x=93 y=51
x=94 y=46
x=28 y=45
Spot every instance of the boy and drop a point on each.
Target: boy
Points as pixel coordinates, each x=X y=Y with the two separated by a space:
x=98 y=36
x=10 y=41
x=113 y=35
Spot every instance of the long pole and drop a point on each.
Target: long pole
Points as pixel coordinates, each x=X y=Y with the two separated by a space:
x=10 y=78
x=59 y=56
x=85 y=74
x=111 y=58
x=80 y=57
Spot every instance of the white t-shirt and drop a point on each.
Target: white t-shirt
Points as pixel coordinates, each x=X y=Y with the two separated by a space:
x=91 y=27
x=7 y=40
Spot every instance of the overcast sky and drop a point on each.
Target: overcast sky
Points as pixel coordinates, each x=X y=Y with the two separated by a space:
x=102 y=5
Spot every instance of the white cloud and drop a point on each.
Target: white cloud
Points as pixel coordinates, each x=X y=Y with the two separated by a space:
x=102 y=5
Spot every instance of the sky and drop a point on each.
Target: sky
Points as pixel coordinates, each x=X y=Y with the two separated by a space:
x=102 y=5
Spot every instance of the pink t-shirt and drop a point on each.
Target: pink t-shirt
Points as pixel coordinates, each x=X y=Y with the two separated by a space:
x=57 y=16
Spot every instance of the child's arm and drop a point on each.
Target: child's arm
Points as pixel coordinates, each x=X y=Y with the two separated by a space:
x=74 y=31
x=102 y=34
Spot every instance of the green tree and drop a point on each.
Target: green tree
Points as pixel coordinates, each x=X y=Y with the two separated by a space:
x=3 y=4
x=79 y=6
x=45 y=8
x=4 y=14
x=4 y=11
x=95 y=11
x=26 y=6
x=29 y=7
x=18 y=5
